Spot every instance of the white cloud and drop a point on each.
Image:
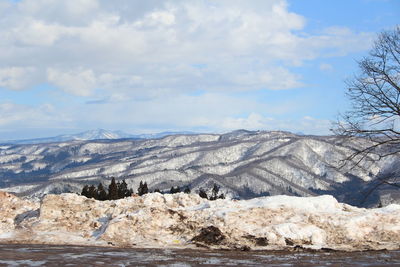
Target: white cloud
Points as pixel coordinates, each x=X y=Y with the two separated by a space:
x=203 y=113
x=325 y=67
x=207 y=112
x=240 y=44
x=337 y=41
x=144 y=62
x=72 y=12
x=17 y=78
x=255 y=121
x=275 y=79
x=31 y=32
x=80 y=82
x=17 y=116
x=156 y=19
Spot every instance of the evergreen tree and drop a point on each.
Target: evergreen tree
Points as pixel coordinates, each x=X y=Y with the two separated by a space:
x=85 y=191
x=214 y=192
x=112 y=190
x=157 y=190
x=143 y=189
x=123 y=190
x=92 y=192
x=203 y=193
x=130 y=192
x=140 y=188
x=175 y=190
x=187 y=190
x=119 y=189
x=101 y=193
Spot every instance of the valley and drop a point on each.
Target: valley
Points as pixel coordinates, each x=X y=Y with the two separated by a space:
x=244 y=164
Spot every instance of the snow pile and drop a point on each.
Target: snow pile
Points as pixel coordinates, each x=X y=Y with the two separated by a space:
x=183 y=220
x=12 y=211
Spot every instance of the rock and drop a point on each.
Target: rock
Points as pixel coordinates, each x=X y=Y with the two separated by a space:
x=210 y=235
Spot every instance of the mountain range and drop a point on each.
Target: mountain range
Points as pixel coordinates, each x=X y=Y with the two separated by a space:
x=244 y=164
x=98 y=134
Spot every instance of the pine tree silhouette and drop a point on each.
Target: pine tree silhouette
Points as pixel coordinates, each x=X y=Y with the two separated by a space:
x=112 y=190
x=203 y=193
x=85 y=191
x=174 y=190
x=123 y=190
x=140 y=188
x=214 y=193
x=101 y=193
x=92 y=192
x=130 y=192
x=143 y=189
x=119 y=189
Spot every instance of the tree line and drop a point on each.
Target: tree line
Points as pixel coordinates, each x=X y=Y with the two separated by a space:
x=118 y=190
x=214 y=193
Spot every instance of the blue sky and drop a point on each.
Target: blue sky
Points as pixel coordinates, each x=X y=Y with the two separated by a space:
x=200 y=65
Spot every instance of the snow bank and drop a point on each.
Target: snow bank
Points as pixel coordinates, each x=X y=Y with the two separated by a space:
x=182 y=220
x=12 y=208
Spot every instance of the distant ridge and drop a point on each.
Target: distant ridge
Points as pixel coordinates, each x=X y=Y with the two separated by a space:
x=98 y=134
x=245 y=164
x=160 y=135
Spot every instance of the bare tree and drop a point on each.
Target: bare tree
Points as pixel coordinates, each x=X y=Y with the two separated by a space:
x=374 y=94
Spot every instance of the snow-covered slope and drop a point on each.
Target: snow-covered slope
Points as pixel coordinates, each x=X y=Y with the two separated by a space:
x=88 y=135
x=183 y=220
x=99 y=134
x=245 y=164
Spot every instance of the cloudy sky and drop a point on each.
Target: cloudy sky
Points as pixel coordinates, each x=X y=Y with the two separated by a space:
x=180 y=65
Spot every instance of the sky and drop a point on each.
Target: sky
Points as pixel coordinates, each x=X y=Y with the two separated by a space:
x=181 y=65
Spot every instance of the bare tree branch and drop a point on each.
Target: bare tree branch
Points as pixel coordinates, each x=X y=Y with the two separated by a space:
x=374 y=94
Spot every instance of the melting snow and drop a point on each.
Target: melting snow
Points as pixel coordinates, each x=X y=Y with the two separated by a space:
x=156 y=220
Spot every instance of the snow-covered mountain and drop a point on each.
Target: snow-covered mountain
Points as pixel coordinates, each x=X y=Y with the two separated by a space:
x=160 y=135
x=99 y=134
x=87 y=135
x=244 y=163
x=96 y=135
